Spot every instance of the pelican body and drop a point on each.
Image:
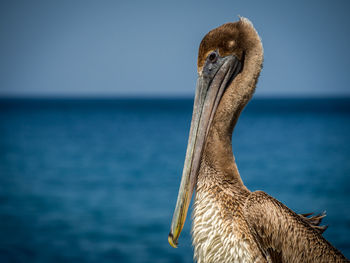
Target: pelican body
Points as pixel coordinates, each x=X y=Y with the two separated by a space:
x=231 y=223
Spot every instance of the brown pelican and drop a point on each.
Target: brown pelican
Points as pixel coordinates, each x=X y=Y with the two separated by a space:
x=231 y=223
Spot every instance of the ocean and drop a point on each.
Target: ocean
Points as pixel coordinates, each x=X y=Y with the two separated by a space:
x=96 y=180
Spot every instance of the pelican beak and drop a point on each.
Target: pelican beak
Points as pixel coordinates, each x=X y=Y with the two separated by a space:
x=211 y=84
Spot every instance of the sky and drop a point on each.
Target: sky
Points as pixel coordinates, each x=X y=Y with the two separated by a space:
x=149 y=48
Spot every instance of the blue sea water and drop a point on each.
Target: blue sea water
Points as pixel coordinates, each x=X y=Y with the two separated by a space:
x=97 y=180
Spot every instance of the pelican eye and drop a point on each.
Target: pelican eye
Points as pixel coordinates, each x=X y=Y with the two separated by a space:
x=213 y=57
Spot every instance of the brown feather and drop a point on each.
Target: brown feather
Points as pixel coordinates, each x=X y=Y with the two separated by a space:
x=315 y=221
x=227 y=216
x=279 y=228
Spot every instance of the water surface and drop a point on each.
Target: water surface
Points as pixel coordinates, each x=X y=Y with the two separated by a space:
x=97 y=180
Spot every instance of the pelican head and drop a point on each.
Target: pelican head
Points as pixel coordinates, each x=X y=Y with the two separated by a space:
x=227 y=55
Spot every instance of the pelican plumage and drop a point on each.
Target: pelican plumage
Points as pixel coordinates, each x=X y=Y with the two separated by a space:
x=231 y=223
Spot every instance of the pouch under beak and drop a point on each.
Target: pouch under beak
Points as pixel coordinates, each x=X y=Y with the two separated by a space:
x=211 y=84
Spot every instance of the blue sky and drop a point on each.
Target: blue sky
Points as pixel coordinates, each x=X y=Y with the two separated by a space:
x=149 y=48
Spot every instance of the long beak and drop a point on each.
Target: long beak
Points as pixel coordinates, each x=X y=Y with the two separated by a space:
x=209 y=90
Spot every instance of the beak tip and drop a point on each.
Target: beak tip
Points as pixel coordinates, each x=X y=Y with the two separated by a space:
x=171 y=240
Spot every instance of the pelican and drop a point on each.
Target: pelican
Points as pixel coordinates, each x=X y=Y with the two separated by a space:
x=231 y=223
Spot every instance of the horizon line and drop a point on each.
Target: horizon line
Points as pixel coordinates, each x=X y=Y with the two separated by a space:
x=162 y=96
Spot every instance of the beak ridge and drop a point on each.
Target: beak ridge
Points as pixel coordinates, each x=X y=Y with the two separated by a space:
x=210 y=87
